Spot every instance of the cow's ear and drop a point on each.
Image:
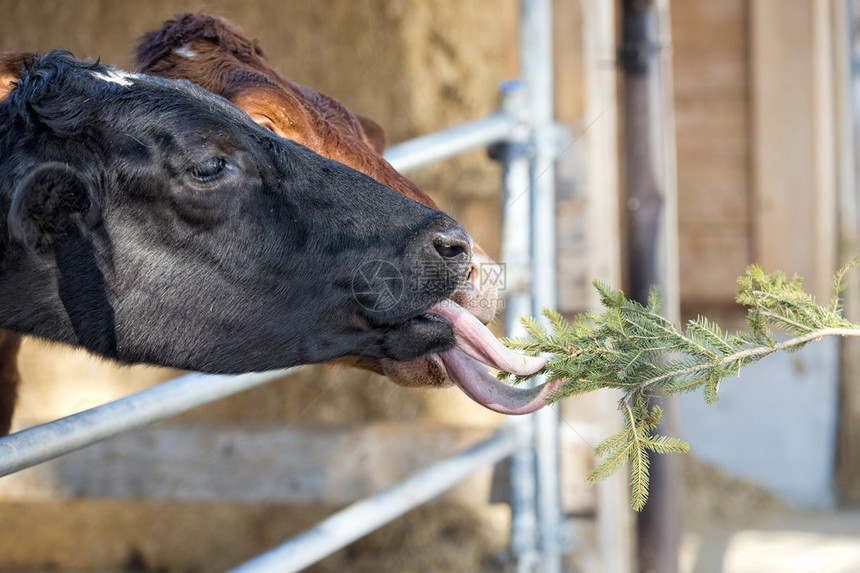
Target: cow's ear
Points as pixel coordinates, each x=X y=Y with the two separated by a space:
x=51 y=203
x=269 y=107
x=374 y=133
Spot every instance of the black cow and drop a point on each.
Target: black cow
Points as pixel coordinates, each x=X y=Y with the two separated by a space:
x=148 y=220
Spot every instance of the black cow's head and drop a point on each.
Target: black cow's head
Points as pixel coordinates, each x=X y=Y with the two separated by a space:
x=150 y=221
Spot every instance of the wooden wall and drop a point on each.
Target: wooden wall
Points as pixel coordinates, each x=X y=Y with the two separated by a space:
x=757 y=156
x=710 y=52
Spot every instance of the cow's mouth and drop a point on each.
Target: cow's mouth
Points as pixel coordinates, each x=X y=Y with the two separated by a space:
x=476 y=348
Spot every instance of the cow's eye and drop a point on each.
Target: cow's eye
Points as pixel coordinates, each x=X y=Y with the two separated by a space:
x=209 y=170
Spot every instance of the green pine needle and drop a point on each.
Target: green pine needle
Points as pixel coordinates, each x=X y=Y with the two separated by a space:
x=633 y=348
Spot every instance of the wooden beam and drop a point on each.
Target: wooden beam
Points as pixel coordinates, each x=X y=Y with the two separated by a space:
x=615 y=531
x=794 y=172
x=265 y=464
x=848 y=442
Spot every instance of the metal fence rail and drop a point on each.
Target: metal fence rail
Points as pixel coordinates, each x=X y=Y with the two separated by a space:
x=445 y=144
x=53 y=439
x=525 y=128
x=369 y=514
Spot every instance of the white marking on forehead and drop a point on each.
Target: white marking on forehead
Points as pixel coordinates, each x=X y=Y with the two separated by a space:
x=185 y=52
x=116 y=77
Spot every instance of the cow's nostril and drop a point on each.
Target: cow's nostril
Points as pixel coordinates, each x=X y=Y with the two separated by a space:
x=474 y=274
x=449 y=251
x=454 y=244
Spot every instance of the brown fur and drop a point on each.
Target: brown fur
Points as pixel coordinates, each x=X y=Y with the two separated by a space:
x=9 y=378
x=227 y=63
x=11 y=65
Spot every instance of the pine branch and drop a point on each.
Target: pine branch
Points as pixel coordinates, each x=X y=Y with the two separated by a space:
x=633 y=348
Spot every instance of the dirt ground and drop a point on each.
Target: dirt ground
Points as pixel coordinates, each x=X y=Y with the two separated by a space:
x=733 y=526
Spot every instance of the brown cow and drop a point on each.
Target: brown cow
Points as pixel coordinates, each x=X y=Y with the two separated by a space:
x=215 y=54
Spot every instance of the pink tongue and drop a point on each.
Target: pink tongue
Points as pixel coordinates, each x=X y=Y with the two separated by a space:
x=477 y=346
x=481 y=386
x=477 y=341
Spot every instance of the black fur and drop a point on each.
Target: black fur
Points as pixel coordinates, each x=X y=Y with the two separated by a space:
x=155 y=222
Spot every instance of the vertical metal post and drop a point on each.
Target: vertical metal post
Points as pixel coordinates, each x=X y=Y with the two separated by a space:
x=536 y=69
x=848 y=125
x=515 y=156
x=651 y=250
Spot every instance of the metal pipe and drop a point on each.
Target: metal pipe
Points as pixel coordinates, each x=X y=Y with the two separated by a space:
x=515 y=157
x=651 y=241
x=441 y=145
x=46 y=441
x=367 y=515
x=536 y=69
